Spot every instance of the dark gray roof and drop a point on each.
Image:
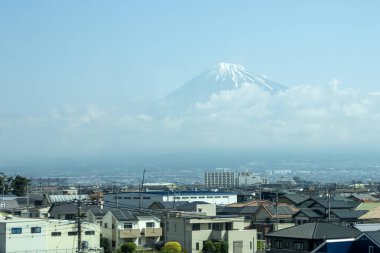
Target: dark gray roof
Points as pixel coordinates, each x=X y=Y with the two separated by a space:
x=123 y=214
x=190 y=206
x=316 y=231
x=237 y=210
x=168 y=204
x=349 y=214
x=67 y=208
x=336 y=204
x=374 y=235
x=296 y=198
x=97 y=211
x=310 y=213
x=282 y=210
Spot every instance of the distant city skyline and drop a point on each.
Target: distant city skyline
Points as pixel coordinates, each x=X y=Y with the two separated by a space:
x=76 y=77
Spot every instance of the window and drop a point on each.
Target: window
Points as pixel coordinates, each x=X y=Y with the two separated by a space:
x=229 y=226
x=136 y=198
x=196 y=226
x=210 y=226
x=277 y=244
x=370 y=249
x=105 y=225
x=35 y=230
x=286 y=245
x=298 y=245
x=72 y=233
x=91 y=232
x=127 y=225
x=150 y=225
x=16 y=231
x=146 y=197
x=127 y=197
x=197 y=246
x=55 y=233
x=216 y=226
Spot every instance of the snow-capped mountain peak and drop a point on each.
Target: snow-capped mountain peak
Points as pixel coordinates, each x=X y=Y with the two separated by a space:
x=228 y=70
x=223 y=76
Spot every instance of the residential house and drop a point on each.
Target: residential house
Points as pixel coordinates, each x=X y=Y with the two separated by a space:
x=293 y=199
x=372 y=216
x=306 y=215
x=122 y=225
x=193 y=230
x=365 y=242
x=346 y=217
x=306 y=237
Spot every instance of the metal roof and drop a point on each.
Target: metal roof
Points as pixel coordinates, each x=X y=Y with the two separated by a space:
x=316 y=231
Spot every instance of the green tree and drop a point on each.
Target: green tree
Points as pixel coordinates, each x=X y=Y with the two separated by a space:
x=128 y=247
x=208 y=247
x=19 y=185
x=215 y=247
x=171 y=247
x=5 y=183
x=105 y=245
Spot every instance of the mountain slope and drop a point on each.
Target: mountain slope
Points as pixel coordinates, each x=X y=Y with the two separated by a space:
x=224 y=76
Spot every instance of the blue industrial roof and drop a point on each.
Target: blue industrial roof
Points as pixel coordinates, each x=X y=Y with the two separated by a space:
x=178 y=193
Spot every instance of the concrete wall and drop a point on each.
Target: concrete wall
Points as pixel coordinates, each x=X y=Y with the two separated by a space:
x=26 y=240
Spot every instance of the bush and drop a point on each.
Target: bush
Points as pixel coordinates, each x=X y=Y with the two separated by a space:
x=171 y=247
x=128 y=247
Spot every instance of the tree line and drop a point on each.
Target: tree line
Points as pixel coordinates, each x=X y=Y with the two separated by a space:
x=17 y=185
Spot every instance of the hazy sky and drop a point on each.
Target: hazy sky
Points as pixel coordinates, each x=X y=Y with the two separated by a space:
x=71 y=71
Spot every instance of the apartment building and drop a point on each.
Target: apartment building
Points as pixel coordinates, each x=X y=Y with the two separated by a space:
x=40 y=235
x=193 y=230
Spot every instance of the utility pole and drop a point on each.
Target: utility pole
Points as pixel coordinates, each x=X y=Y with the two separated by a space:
x=277 y=210
x=141 y=188
x=79 y=223
x=329 y=203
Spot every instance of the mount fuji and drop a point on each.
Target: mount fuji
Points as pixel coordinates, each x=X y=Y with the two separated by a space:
x=223 y=76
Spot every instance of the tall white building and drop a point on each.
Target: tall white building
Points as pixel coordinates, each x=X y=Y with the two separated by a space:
x=227 y=179
x=220 y=179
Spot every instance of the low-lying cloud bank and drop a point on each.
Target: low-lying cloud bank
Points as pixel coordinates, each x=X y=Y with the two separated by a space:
x=315 y=117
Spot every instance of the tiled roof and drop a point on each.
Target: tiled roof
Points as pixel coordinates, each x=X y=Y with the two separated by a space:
x=168 y=204
x=349 y=214
x=374 y=235
x=336 y=204
x=373 y=214
x=316 y=231
x=67 y=208
x=368 y=206
x=310 y=213
x=238 y=210
x=296 y=198
x=251 y=203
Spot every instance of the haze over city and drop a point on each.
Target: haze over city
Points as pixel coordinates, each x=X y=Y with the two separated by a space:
x=96 y=81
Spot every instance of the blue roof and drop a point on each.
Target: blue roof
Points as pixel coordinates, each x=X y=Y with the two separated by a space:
x=178 y=193
x=190 y=193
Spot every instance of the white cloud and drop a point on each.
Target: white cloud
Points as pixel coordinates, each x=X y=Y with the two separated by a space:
x=306 y=116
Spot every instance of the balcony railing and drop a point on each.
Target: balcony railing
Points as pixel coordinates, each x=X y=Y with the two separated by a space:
x=129 y=233
x=153 y=232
